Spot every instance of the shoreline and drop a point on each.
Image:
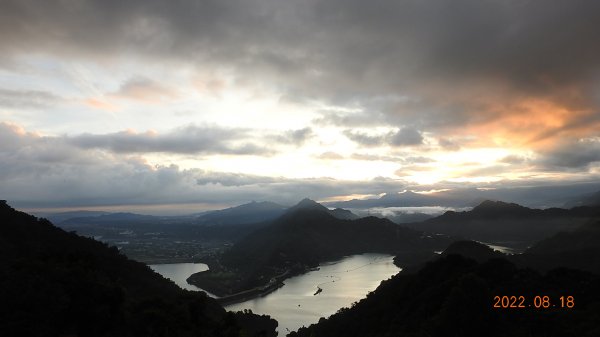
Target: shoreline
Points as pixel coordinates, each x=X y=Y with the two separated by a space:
x=275 y=283
x=166 y=260
x=248 y=295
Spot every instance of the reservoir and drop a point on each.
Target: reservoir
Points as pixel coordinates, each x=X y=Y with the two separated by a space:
x=299 y=302
x=179 y=272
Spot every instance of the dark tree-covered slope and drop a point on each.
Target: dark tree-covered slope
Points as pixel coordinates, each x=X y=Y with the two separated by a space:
x=454 y=296
x=579 y=249
x=54 y=283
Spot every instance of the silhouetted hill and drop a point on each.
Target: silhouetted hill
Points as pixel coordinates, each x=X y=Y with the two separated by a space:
x=343 y=214
x=587 y=236
x=454 y=296
x=111 y=219
x=406 y=199
x=495 y=209
x=308 y=204
x=496 y=221
x=473 y=250
x=54 y=283
x=304 y=236
x=252 y=212
x=591 y=199
x=579 y=249
x=62 y=216
x=405 y=217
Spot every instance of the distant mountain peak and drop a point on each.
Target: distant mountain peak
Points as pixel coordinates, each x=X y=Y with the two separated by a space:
x=494 y=205
x=307 y=203
x=343 y=214
x=251 y=212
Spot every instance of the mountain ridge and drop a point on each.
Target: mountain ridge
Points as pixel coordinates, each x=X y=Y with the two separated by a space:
x=57 y=283
x=494 y=221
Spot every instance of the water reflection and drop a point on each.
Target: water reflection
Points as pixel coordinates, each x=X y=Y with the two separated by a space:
x=342 y=283
x=179 y=272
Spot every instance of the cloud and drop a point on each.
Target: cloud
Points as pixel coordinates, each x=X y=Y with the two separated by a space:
x=32 y=99
x=402 y=137
x=40 y=171
x=448 y=144
x=364 y=139
x=437 y=66
x=513 y=159
x=294 y=137
x=189 y=139
x=406 y=137
x=573 y=155
x=144 y=89
x=330 y=155
x=232 y=179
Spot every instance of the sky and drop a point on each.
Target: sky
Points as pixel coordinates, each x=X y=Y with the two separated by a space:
x=183 y=104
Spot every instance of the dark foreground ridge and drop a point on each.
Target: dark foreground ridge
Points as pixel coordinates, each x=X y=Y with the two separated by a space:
x=54 y=283
x=455 y=296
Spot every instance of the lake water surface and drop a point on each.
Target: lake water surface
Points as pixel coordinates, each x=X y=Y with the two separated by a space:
x=179 y=272
x=295 y=304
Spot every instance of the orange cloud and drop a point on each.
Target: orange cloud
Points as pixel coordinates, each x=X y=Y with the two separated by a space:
x=536 y=123
x=146 y=90
x=100 y=104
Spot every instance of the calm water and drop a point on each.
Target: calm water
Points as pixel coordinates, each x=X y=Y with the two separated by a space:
x=343 y=282
x=295 y=304
x=179 y=272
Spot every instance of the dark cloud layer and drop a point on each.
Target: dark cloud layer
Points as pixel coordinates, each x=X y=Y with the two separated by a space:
x=401 y=137
x=294 y=137
x=27 y=99
x=429 y=64
x=577 y=155
x=190 y=139
x=373 y=46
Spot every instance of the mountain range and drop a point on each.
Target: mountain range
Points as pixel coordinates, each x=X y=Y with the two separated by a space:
x=538 y=197
x=508 y=223
x=54 y=282
x=304 y=236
